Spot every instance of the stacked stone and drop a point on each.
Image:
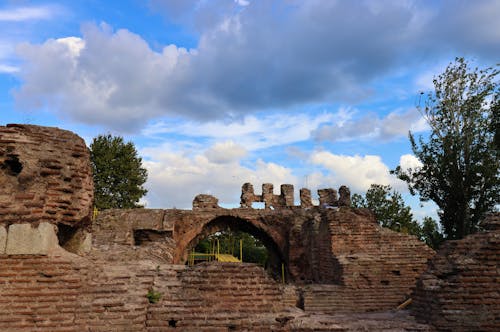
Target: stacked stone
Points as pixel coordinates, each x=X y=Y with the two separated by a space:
x=45 y=176
x=327 y=197
x=305 y=198
x=460 y=289
x=345 y=196
x=286 y=195
x=248 y=196
x=203 y=201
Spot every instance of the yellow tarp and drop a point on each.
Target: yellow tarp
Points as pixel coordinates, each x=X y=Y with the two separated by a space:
x=227 y=258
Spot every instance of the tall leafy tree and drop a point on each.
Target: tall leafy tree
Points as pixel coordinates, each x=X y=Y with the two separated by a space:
x=392 y=212
x=460 y=158
x=389 y=209
x=118 y=173
x=430 y=233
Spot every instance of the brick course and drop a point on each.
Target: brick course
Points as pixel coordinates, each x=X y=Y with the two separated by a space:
x=45 y=175
x=460 y=290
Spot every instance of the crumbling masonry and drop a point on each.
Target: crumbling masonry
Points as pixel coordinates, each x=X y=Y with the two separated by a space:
x=62 y=271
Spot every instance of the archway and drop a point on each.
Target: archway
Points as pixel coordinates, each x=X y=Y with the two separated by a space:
x=276 y=257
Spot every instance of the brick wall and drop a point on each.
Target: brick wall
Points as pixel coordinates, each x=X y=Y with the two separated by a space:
x=45 y=175
x=356 y=265
x=70 y=293
x=460 y=289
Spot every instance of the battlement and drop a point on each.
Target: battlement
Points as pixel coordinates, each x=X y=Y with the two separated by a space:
x=327 y=197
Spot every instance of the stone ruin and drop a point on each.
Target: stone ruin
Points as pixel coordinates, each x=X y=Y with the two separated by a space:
x=342 y=270
x=46 y=188
x=327 y=197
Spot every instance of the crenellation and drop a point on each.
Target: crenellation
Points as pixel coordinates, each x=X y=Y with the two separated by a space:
x=345 y=196
x=333 y=258
x=327 y=197
x=286 y=196
x=305 y=198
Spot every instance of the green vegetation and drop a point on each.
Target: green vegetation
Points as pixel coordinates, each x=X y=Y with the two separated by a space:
x=229 y=242
x=118 y=173
x=153 y=296
x=391 y=212
x=460 y=158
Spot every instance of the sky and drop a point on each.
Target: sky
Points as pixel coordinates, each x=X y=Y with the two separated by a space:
x=216 y=93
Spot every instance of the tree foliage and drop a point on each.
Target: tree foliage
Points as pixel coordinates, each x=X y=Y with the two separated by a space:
x=389 y=208
x=430 y=233
x=460 y=159
x=118 y=173
x=391 y=212
x=229 y=242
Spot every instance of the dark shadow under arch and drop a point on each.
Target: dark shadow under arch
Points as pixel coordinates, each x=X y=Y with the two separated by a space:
x=221 y=223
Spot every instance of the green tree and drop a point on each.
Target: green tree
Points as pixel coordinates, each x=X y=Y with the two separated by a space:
x=430 y=233
x=389 y=209
x=229 y=242
x=118 y=173
x=391 y=212
x=460 y=162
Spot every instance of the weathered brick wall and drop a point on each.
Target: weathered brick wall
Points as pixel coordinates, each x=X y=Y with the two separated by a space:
x=68 y=293
x=45 y=175
x=38 y=293
x=218 y=297
x=355 y=265
x=460 y=291
x=375 y=268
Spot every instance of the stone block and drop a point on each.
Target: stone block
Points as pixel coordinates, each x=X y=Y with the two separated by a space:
x=203 y=201
x=327 y=197
x=305 y=198
x=287 y=199
x=22 y=239
x=3 y=239
x=345 y=196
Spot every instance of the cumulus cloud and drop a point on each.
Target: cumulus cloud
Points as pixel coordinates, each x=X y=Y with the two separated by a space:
x=396 y=124
x=357 y=172
x=175 y=178
x=408 y=161
x=247 y=60
x=225 y=152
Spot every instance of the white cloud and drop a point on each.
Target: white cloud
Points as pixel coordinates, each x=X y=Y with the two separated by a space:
x=357 y=172
x=104 y=78
x=8 y=69
x=225 y=152
x=318 y=52
x=75 y=45
x=251 y=132
x=19 y=14
x=408 y=161
x=175 y=179
x=395 y=125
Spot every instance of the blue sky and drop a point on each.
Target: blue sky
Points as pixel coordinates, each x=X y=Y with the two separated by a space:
x=222 y=92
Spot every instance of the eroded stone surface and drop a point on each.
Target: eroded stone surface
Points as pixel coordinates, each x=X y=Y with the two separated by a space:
x=3 y=239
x=203 y=201
x=28 y=240
x=45 y=176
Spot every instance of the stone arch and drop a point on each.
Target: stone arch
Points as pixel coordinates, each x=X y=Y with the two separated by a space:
x=271 y=240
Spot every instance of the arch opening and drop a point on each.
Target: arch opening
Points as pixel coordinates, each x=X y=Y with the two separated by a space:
x=258 y=246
